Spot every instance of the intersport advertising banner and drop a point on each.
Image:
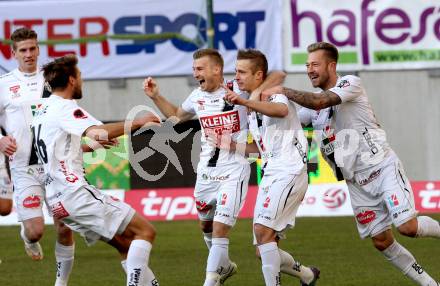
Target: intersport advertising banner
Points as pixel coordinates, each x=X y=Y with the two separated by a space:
x=135 y=38
x=370 y=34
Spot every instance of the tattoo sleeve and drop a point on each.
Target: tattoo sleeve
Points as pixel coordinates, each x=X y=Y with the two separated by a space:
x=312 y=100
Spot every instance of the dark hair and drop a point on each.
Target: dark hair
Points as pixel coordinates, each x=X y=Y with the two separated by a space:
x=22 y=34
x=57 y=72
x=330 y=50
x=258 y=59
x=213 y=54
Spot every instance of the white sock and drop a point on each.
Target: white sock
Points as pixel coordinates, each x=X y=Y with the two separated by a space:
x=271 y=261
x=23 y=235
x=207 y=236
x=149 y=275
x=137 y=261
x=64 y=256
x=427 y=227
x=295 y=268
x=218 y=259
x=401 y=258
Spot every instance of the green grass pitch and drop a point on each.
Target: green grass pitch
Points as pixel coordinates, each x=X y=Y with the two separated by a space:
x=179 y=256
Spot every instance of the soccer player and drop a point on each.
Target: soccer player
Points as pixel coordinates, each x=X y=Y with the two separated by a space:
x=283 y=149
x=20 y=93
x=380 y=192
x=58 y=127
x=222 y=177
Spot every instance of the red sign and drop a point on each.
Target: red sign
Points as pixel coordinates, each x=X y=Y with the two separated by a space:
x=176 y=203
x=427 y=196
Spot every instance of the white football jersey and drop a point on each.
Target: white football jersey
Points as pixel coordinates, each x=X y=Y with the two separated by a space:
x=20 y=96
x=58 y=127
x=361 y=140
x=285 y=146
x=218 y=116
x=324 y=134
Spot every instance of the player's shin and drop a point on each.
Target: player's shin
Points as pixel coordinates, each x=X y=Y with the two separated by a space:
x=137 y=261
x=427 y=227
x=294 y=268
x=270 y=260
x=218 y=260
x=401 y=258
x=64 y=255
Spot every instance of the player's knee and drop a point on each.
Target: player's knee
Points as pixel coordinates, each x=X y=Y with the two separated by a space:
x=35 y=233
x=206 y=226
x=263 y=234
x=408 y=230
x=5 y=210
x=382 y=243
x=148 y=232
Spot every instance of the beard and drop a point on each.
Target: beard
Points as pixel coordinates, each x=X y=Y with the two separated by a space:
x=77 y=93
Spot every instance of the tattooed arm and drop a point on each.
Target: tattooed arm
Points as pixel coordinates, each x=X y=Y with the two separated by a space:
x=312 y=100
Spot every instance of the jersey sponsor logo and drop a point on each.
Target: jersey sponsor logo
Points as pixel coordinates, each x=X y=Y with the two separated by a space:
x=58 y=211
x=370 y=178
x=15 y=91
x=266 y=202
x=393 y=201
x=79 y=114
x=225 y=122
x=32 y=201
x=70 y=177
x=343 y=83
x=366 y=217
x=207 y=177
x=301 y=150
x=223 y=200
x=334 y=198
x=38 y=109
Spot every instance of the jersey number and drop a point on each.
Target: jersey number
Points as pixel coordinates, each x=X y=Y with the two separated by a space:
x=39 y=145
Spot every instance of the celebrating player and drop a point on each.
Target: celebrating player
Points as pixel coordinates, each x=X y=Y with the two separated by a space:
x=222 y=180
x=282 y=145
x=20 y=93
x=58 y=127
x=381 y=194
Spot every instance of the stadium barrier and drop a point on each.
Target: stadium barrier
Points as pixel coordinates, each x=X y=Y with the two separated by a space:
x=320 y=200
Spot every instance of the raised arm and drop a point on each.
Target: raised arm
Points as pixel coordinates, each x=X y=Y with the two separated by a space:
x=168 y=109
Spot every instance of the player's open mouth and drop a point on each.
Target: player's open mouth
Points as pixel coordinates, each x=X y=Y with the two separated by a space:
x=201 y=81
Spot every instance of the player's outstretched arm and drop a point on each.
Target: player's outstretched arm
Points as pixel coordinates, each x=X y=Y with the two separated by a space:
x=151 y=89
x=274 y=78
x=95 y=145
x=112 y=130
x=307 y=99
x=273 y=109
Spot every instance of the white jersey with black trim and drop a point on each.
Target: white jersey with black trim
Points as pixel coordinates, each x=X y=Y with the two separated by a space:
x=324 y=133
x=20 y=95
x=217 y=116
x=361 y=140
x=285 y=145
x=58 y=127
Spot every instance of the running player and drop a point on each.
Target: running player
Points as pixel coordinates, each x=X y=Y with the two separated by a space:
x=381 y=194
x=58 y=127
x=222 y=177
x=20 y=93
x=282 y=145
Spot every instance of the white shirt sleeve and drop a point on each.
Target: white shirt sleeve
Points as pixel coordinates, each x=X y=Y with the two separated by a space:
x=279 y=98
x=188 y=104
x=305 y=116
x=348 y=88
x=75 y=120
